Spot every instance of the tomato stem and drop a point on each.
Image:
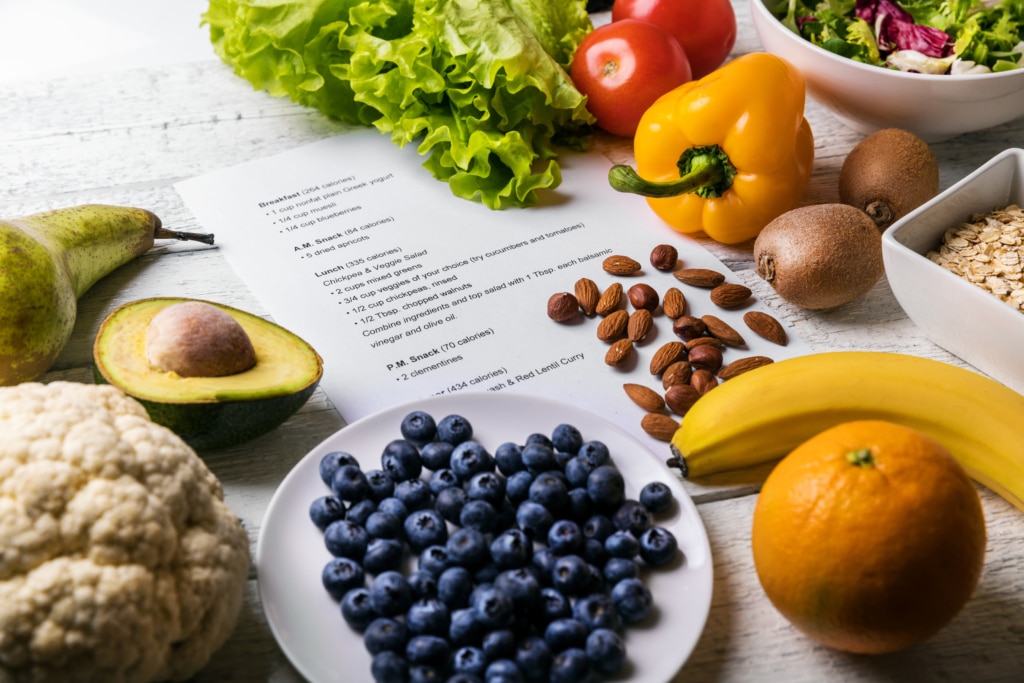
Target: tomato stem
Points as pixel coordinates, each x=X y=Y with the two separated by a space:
x=704 y=171
x=861 y=457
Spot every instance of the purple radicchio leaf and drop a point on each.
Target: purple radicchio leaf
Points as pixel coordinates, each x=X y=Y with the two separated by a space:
x=895 y=29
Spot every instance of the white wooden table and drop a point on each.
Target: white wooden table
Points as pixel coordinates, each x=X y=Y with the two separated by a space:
x=126 y=137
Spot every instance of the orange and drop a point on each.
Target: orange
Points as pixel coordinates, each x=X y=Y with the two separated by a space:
x=869 y=537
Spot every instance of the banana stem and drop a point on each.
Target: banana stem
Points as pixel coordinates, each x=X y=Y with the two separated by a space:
x=165 y=234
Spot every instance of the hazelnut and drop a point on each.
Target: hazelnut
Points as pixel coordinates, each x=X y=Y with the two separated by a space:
x=563 y=307
x=705 y=357
x=703 y=381
x=664 y=257
x=680 y=398
x=642 y=295
x=688 y=327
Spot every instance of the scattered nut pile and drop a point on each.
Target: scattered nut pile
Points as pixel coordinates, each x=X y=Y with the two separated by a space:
x=988 y=251
x=688 y=366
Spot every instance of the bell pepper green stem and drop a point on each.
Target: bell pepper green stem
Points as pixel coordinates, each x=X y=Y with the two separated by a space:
x=704 y=171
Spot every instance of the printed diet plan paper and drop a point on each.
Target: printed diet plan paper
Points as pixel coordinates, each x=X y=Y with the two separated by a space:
x=407 y=291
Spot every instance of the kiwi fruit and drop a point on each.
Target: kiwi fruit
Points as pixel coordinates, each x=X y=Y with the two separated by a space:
x=888 y=174
x=820 y=257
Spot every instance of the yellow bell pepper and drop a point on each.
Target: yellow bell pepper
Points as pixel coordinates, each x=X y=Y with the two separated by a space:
x=726 y=154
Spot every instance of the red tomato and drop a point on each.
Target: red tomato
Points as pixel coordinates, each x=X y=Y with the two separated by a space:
x=622 y=67
x=705 y=28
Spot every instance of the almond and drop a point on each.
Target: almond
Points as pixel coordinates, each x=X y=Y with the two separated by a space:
x=659 y=426
x=676 y=373
x=723 y=331
x=640 y=324
x=619 y=352
x=610 y=299
x=680 y=398
x=645 y=397
x=699 y=277
x=704 y=341
x=667 y=354
x=620 y=265
x=764 y=325
x=674 y=303
x=730 y=295
x=741 y=365
x=613 y=326
x=587 y=294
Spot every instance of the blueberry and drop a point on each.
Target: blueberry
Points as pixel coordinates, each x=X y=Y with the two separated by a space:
x=357 y=608
x=562 y=458
x=522 y=586
x=442 y=479
x=580 y=506
x=494 y=608
x=566 y=438
x=598 y=527
x=565 y=537
x=467 y=547
x=632 y=600
x=344 y=538
x=330 y=463
x=656 y=497
x=415 y=493
x=517 y=486
x=389 y=667
x=606 y=651
x=618 y=568
x=512 y=548
x=469 y=660
x=571 y=575
x=383 y=525
x=469 y=458
x=423 y=583
x=633 y=517
x=570 y=666
x=383 y=554
x=533 y=657
x=454 y=585
x=465 y=628
x=381 y=484
x=486 y=486
x=658 y=546
x=606 y=487
x=486 y=573
x=499 y=644
x=349 y=484
x=393 y=506
x=428 y=616
x=385 y=635
x=401 y=460
x=543 y=562
x=464 y=677
x=562 y=634
x=622 y=544
x=454 y=429
x=550 y=490
x=425 y=673
x=577 y=469
x=503 y=671
x=594 y=552
x=554 y=605
x=359 y=512
x=478 y=515
x=340 y=575
x=596 y=452
x=534 y=519
x=596 y=611
x=434 y=559
x=508 y=458
x=436 y=455
x=326 y=509
x=449 y=503
x=418 y=427
x=390 y=594
x=539 y=457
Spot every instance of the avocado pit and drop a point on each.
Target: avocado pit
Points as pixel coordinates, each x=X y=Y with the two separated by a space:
x=197 y=339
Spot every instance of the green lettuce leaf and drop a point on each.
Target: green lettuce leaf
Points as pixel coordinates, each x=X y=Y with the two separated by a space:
x=481 y=86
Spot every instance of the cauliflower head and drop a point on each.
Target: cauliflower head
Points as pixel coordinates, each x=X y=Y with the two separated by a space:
x=119 y=560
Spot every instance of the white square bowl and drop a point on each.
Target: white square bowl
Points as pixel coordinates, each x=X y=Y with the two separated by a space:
x=959 y=316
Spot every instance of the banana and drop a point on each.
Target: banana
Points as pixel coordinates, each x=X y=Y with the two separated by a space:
x=761 y=415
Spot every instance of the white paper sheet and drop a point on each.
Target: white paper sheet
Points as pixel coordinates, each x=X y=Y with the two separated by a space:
x=407 y=291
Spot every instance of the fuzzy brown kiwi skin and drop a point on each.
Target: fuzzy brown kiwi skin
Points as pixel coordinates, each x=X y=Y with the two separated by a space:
x=888 y=174
x=820 y=257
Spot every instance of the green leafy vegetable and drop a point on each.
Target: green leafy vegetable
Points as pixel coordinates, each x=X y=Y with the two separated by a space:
x=481 y=86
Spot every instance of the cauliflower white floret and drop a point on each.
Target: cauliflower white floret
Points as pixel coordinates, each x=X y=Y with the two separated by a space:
x=119 y=560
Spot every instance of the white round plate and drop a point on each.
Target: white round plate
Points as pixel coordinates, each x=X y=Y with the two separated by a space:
x=290 y=552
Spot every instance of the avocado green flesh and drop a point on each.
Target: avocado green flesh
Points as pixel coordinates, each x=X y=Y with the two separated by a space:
x=209 y=412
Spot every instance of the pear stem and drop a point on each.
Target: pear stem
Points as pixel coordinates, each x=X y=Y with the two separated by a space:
x=165 y=234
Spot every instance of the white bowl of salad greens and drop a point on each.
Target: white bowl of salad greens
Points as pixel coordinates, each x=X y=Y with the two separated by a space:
x=938 y=68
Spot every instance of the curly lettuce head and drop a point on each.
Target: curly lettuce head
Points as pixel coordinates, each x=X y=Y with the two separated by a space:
x=480 y=85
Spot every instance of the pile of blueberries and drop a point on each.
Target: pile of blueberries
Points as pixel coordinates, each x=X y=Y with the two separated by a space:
x=461 y=565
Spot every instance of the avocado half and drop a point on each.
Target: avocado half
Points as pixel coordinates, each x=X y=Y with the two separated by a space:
x=208 y=412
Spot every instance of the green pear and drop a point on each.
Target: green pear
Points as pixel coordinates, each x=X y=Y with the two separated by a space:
x=47 y=261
